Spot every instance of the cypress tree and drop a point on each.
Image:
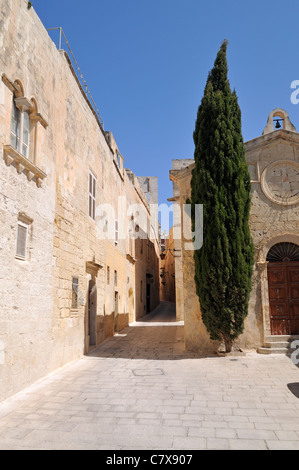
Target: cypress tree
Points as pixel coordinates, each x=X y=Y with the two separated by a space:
x=221 y=182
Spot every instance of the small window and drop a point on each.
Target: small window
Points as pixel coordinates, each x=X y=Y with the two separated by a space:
x=115 y=278
x=116 y=231
x=141 y=246
x=22 y=234
x=92 y=196
x=108 y=275
x=75 y=291
x=141 y=291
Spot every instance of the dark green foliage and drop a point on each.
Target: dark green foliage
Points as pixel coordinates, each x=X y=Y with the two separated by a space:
x=221 y=182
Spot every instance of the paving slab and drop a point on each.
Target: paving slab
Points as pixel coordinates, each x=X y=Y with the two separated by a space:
x=141 y=390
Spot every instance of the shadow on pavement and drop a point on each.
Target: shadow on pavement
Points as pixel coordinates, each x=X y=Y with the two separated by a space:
x=294 y=388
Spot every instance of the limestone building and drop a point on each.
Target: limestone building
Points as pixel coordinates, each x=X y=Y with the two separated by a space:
x=273 y=319
x=73 y=267
x=167 y=269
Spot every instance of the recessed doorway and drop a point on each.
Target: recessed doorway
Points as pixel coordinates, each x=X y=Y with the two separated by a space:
x=283 y=282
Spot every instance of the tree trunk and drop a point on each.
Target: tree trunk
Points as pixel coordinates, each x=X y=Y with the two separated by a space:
x=228 y=344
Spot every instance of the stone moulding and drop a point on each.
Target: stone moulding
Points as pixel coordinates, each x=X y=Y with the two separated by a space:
x=22 y=163
x=37 y=117
x=24 y=103
x=93 y=268
x=284 y=198
x=130 y=258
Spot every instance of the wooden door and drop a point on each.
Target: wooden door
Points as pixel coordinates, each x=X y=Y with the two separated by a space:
x=283 y=279
x=293 y=281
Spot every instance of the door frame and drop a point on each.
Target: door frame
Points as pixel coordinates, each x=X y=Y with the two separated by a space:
x=262 y=276
x=288 y=318
x=92 y=270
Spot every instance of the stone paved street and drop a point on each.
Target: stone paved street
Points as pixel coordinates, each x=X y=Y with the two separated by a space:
x=139 y=390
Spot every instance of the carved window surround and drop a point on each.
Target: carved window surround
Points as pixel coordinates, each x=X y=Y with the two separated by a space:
x=12 y=156
x=23 y=103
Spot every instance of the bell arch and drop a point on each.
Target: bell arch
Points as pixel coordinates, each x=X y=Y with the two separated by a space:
x=283 y=116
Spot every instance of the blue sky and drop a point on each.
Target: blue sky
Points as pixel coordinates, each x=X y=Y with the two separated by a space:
x=146 y=63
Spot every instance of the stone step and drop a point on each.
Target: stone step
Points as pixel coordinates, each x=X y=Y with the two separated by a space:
x=278 y=344
x=273 y=350
x=281 y=338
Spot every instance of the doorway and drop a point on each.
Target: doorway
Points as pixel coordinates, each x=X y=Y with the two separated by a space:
x=92 y=311
x=115 y=311
x=131 y=306
x=283 y=283
x=148 y=298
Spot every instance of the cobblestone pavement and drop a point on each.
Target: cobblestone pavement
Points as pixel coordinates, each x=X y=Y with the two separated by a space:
x=139 y=390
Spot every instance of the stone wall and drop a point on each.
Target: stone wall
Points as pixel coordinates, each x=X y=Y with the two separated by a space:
x=57 y=303
x=26 y=288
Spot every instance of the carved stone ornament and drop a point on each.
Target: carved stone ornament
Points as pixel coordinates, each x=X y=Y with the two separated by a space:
x=280 y=182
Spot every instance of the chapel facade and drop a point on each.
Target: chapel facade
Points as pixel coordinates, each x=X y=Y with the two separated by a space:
x=273 y=319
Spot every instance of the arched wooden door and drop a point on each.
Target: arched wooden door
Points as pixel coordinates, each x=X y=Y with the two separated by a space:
x=283 y=280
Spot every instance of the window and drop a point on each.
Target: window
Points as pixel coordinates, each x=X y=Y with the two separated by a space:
x=283 y=252
x=75 y=291
x=141 y=291
x=108 y=275
x=92 y=196
x=26 y=134
x=15 y=127
x=115 y=278
x=20 y=128
x=22 y=234
x=116 y=231
x=22 y=150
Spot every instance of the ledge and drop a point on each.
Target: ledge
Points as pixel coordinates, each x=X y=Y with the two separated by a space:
x=22 y=163
x=37 y=117
x=131 y=258
x=93 y=268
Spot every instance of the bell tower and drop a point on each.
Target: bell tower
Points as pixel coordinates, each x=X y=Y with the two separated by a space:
x=278 y=119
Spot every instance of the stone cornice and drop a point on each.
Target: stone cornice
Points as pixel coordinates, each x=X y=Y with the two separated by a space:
x=269 y=139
